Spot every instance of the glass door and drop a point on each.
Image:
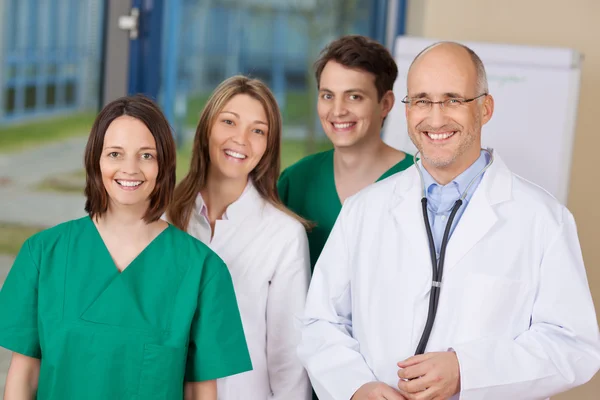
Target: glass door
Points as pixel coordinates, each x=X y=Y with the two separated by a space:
x=277 y=41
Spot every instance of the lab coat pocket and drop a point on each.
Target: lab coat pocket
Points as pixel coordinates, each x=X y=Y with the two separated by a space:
x=163 y=371
x=488 y=306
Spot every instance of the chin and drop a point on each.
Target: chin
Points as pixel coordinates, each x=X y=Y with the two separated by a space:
x=129 y=201
x=234 y=175
x=345 y=142
x=439 y=161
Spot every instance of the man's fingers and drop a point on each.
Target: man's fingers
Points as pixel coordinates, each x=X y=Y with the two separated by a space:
x=377 y=391
x=415 y=385
x=428 y=394
x=391 y=394
x=414 y=371
x=415 y=360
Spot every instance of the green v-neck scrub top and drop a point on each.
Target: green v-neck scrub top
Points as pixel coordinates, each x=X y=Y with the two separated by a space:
x=170 y=317
x=308 y=188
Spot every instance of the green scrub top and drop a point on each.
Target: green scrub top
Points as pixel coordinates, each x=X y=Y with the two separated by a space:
x=308 y=189
x=171 y=316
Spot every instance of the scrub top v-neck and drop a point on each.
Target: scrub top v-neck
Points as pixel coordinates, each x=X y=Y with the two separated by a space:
x=171 y=316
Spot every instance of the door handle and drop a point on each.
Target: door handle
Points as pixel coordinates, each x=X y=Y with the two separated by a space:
x=130 y=23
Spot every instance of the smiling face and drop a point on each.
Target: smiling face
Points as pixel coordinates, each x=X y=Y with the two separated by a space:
x=348 y=105
x=128 y=163
x=449 y=138
x=238 y=138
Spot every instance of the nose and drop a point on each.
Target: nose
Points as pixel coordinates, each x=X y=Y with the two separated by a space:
x=437 y=116
x=240 y=136
x=131 y=165
x=339 y=108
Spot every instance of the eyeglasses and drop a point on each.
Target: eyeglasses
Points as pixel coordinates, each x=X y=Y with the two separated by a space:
x=451 y=103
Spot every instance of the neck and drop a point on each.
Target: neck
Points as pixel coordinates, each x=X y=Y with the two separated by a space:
x=219 y=193
x=358 y=160
x=445 y=175
x=124 y=219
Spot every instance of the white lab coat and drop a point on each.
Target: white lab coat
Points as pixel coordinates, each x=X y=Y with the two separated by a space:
x=267 y=254
x=515 y=303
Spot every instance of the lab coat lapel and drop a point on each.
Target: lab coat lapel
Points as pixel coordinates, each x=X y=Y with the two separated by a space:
x=231 y=237
x=406 y=208
x=479 y=217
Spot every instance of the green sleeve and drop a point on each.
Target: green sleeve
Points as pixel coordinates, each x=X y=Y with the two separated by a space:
x=217 y=342
x=283 y=186
x=18 y=306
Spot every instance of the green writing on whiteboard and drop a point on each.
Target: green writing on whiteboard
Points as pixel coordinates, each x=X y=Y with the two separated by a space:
x=502 y=80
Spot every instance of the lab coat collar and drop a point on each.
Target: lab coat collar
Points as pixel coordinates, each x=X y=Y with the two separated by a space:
x=245 y=205
x=248 y=203
x=496 y=183
x=477 y=220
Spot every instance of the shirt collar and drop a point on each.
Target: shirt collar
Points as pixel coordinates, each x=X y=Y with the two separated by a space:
x=461 y=181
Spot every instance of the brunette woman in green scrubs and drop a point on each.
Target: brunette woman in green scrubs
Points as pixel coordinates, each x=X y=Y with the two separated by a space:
x=120 y=304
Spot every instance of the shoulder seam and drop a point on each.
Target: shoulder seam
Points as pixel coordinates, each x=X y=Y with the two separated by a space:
x=28 y=243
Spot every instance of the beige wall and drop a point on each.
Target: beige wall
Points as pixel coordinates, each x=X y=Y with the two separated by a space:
x=564 y=23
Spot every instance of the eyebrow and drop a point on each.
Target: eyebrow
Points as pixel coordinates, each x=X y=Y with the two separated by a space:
x=422 y=95
x=146 y=148
x=238 y=116
x=345 y=91
x=453 y=94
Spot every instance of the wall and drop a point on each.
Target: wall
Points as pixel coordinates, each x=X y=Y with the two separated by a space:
x=564 y=23
x=2 y=45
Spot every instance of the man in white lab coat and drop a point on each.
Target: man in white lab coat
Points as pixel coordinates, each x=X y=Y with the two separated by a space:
x=514 y=317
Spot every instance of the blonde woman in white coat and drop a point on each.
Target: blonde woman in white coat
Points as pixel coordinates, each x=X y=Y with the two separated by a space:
x=229 y=201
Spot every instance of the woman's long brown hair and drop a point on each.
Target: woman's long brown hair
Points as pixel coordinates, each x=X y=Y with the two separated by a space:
x=266 y=173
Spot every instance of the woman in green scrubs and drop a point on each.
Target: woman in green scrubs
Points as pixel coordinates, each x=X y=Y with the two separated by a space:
x=120 y=304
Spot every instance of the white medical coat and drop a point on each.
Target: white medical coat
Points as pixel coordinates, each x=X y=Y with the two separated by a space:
x=266 y=252
x=515 y=303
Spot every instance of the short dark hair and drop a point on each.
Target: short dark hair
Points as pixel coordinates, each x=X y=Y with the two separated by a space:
x=360 y=52
x=145 y=110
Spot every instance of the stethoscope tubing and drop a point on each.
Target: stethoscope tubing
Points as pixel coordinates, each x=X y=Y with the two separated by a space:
x=438 y=267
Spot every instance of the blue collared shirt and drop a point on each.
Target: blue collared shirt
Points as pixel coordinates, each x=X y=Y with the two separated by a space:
x=441 y=199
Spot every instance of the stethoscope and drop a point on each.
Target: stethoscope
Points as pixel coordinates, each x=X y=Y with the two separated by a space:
x=438 y=266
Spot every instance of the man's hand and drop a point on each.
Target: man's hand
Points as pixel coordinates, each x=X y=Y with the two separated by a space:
x=377 y=391
x=431 y=376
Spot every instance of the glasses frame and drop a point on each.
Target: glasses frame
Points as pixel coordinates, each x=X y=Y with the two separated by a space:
x=406 y=100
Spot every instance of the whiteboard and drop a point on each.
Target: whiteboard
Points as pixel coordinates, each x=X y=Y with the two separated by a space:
x=536 y=92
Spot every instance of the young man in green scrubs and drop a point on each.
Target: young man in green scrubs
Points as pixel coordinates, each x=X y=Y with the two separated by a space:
x=355 y=77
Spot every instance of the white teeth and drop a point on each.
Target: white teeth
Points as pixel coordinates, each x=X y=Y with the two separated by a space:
x=440 y=136
x=235 y=154
x=344 y=125
x=129 y=183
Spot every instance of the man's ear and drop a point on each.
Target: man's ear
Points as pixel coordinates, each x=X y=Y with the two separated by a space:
x=387 y=102
x=487 y=109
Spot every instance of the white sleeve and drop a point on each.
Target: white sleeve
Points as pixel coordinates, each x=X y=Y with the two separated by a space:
x=285 y=302
x=327 y=349
x=559 y=351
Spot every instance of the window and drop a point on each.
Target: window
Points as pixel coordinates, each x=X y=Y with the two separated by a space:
x=52 y=48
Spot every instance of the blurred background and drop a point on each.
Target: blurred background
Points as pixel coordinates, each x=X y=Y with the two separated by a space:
x=62 y=60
